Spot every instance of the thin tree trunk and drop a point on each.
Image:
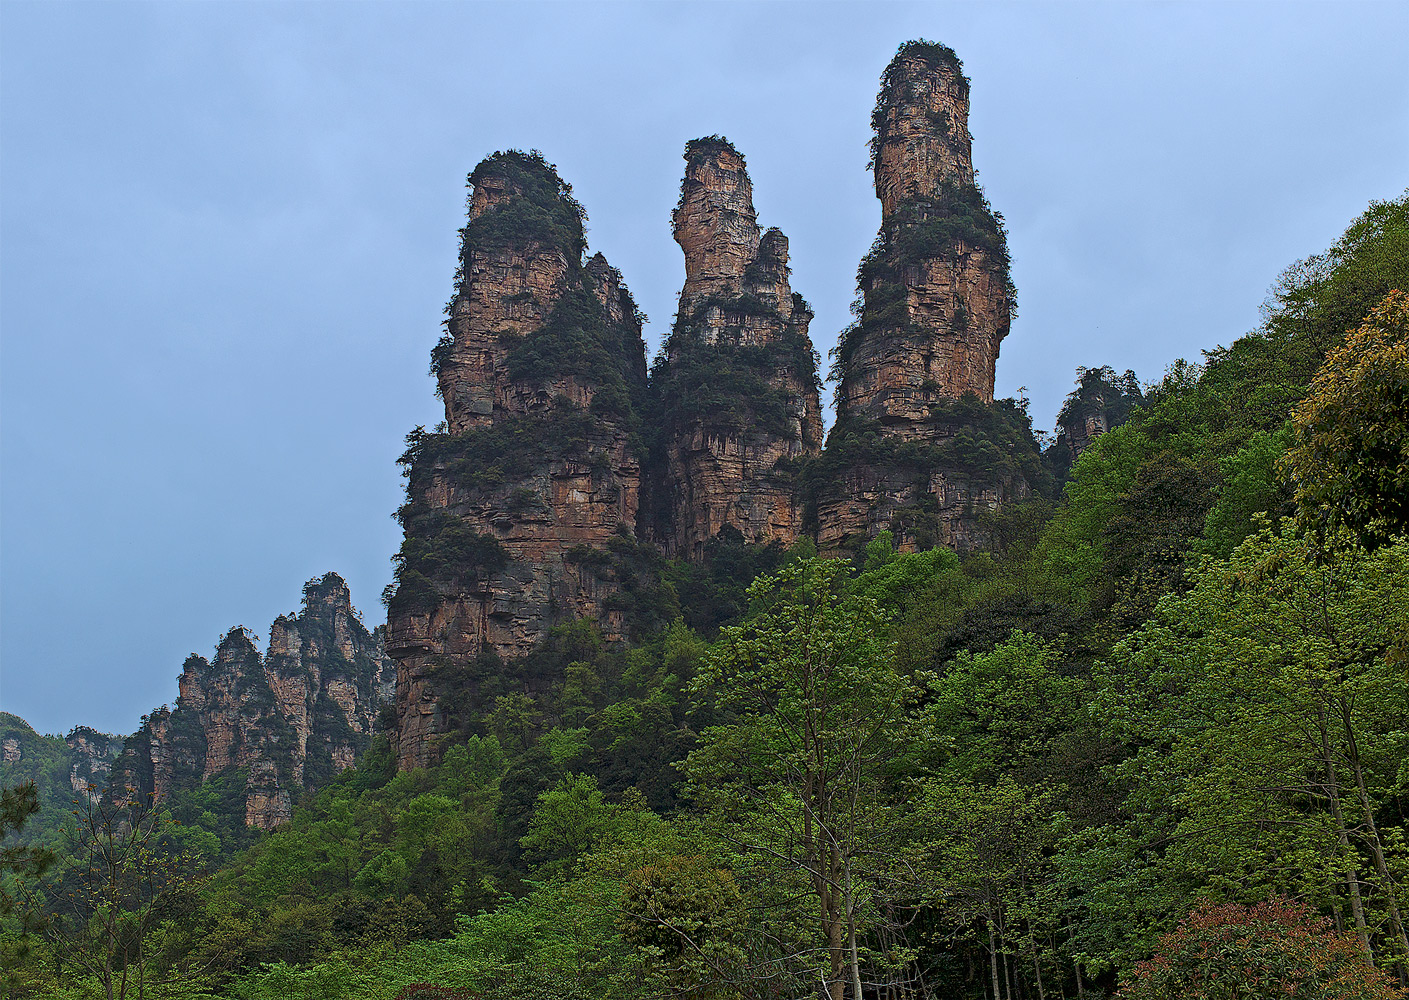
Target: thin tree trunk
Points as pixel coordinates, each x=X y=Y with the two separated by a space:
x=993 y=960
x=1007 y=967
x=851 y=933
x=1352 y=874
x=1037 y=968
x=1075 y=962
x=1376 y=846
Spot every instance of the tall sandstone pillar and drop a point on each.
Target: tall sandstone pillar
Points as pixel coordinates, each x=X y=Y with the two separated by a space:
x=737 y=387
x=937 y=295
x=543 y=372
x=920 y=447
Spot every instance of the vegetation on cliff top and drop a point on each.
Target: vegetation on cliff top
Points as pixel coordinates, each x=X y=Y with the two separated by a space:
x=539 y=207
x=896 y=88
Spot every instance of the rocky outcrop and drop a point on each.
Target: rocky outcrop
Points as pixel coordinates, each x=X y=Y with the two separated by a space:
x=920 y=448
x=738 y=382
x=287 y=721
x=1101 y=402
x=84 y=758
x=543 y=374
x=936 y=295
x=92 y=760
x=560 y=472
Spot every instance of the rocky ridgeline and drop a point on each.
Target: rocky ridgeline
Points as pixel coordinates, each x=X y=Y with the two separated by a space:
x=559 y=463
x=288 y=721
x=738 y=381
x=87 y=754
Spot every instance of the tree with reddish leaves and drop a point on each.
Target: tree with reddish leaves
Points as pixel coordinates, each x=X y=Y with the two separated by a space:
x=1278 y=948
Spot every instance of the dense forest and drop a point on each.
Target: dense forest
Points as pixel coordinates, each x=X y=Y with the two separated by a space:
x=1154 y=744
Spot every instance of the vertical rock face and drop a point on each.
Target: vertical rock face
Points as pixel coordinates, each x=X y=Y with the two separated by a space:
x=936 y=296
x=287 y=721
x=920 y=448
x=738 y=381
x=92 y=761
x=543 y=372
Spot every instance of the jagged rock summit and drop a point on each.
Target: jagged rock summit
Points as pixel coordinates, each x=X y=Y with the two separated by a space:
x=920 y=448
x=286 y=722
x=543 y=374
x=937 y=298
x=737 y=380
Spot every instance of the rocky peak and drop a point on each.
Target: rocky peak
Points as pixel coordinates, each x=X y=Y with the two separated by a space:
x=917 y=367
x=715 y=222
x=288 y=720
x=936 y=295
x=738 y=381
x=543 y=373
x=921 y=123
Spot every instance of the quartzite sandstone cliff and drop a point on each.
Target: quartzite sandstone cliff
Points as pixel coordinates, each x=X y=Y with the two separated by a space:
x=560 y=467
x=543 y=374
x=920 y=448
x=287 y=721
x=738 y=380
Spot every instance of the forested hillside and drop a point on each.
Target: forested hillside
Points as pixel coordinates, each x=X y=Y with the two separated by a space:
x=1183 y=688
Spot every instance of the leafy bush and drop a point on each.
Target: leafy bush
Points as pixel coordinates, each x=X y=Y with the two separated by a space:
x=1277 y=948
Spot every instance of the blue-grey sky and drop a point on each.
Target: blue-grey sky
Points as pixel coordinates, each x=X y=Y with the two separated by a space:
x=227 y=232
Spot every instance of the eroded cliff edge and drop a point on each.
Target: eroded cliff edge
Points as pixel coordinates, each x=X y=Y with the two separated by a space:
x=563 y=480
x=285 y=722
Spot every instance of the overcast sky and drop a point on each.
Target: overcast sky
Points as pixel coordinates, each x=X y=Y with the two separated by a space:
x=227 y=232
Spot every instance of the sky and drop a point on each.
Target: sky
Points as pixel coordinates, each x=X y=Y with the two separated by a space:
x=227 y=232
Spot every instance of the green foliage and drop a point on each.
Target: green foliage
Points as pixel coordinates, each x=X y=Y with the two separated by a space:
x=920 y=230
x=1350 y=459
x=540 y=209
x=986 y=444
x=439 y=551
x=1266 y=713
x=728 y=387
x=578 y=339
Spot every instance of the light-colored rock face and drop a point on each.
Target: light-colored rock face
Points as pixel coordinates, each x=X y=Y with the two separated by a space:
x=959 y=314
x=284 y=718
x=715 y=223
x=507 y=292
x=937 y=305
x=957 y=306
x=93 y=754
x=923 y=139
x=736 y=295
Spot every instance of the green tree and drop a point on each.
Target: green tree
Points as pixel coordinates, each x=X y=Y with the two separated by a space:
x=1268 y=709
x=106 y=896
x=798 y=783
x=1350 y=458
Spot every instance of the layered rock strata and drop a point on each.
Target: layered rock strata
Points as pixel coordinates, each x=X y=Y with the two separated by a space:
x=738 y=382
x=919 y=447
x=543 y=373
x=936 y=295
x=287 y=721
